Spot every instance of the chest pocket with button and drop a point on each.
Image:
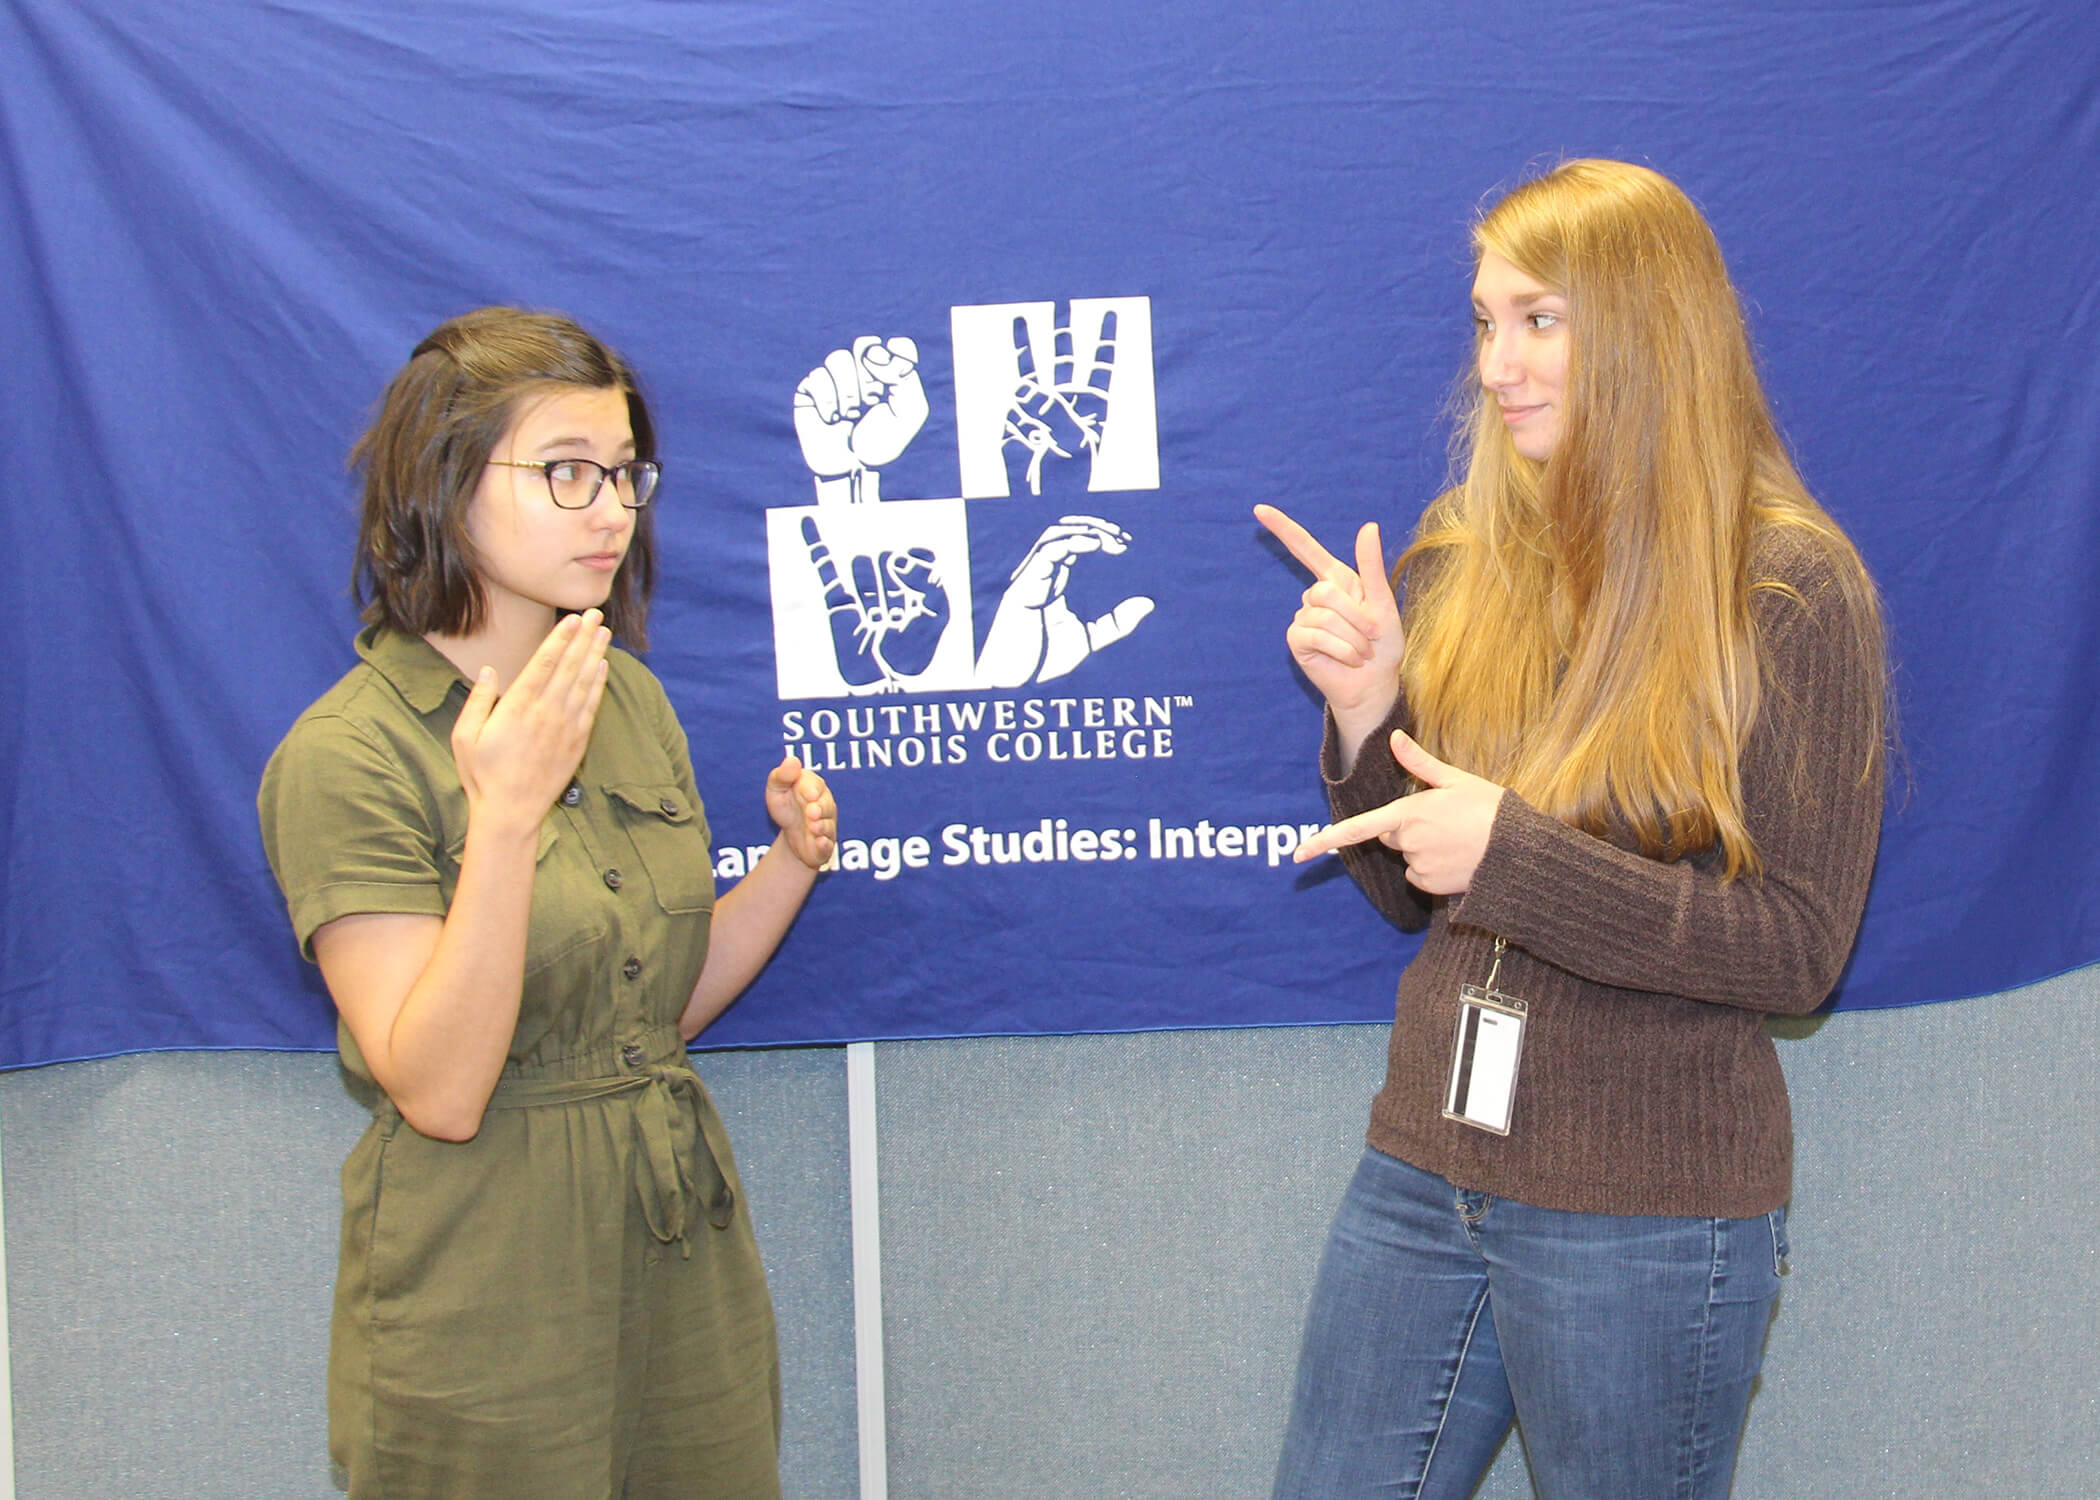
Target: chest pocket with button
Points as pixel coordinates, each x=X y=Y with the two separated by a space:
x=559 y=924
x=671 y=841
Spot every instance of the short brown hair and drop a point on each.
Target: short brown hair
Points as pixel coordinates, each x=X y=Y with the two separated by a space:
x=423 y=457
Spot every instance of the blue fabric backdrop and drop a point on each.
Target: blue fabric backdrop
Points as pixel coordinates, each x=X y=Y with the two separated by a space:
x=223 y=225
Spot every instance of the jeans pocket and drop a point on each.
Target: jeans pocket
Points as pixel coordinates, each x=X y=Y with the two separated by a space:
x=1776 y=1220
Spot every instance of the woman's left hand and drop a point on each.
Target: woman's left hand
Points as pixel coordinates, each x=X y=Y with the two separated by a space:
x=798 y=800
x=1441 y=831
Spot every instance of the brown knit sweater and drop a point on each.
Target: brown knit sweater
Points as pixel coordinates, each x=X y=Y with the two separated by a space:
x=1647 y=1084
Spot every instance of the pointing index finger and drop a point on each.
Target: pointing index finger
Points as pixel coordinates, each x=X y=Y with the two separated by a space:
x=1360 y=829
x=1299 y=542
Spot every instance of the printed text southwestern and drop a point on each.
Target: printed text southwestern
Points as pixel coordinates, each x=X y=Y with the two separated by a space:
x=907 y=736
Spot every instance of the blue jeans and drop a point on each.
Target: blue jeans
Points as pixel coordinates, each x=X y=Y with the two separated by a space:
x=1624 y=1348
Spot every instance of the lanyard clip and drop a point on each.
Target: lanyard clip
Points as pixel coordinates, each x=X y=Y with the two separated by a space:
x=1496 y=967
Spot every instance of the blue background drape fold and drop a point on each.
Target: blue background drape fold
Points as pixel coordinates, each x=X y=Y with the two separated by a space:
x=223 y=226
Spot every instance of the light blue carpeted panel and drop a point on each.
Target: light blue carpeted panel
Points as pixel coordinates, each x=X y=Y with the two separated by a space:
x=1940 y=1333
x=171 y=1227
x=786 y=1113
x=1097 y=1252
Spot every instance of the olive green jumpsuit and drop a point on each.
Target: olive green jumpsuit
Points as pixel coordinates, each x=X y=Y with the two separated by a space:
x=570 y=1305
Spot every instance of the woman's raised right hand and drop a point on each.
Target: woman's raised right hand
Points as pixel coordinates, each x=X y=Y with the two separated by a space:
x=1346 y=636
x=516 y=752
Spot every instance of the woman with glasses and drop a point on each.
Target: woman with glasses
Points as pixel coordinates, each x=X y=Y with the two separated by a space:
x=490 y=840
x=1616 y=743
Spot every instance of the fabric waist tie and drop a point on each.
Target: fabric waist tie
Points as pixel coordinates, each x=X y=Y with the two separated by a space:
x=665 y=1136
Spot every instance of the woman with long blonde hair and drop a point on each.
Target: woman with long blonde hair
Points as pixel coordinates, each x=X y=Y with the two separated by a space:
x=1612 y=731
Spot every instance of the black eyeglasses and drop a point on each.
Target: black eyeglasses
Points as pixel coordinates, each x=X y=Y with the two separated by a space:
x=573 y=483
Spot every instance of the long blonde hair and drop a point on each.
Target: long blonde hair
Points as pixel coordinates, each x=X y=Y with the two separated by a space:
x=1583 y=632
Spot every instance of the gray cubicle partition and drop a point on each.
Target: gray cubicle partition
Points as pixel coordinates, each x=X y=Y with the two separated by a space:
x=1096 y=1251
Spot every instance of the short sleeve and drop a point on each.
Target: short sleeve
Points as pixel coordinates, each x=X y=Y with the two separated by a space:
x=345 y=829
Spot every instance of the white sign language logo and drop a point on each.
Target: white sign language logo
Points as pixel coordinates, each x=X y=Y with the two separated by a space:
x=874 y=595
x=856 y=412
x=887 y=611
x=1034 y=415
x=1064 y=415
x=1036 y=636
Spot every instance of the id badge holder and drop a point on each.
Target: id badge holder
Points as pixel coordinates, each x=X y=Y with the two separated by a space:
x=1485 y=1054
